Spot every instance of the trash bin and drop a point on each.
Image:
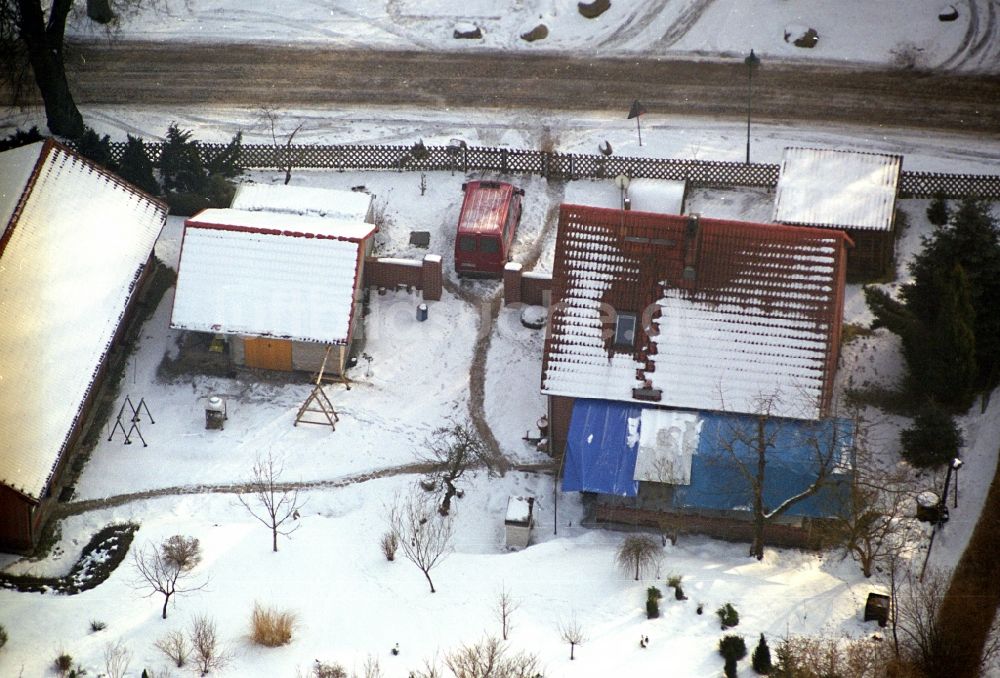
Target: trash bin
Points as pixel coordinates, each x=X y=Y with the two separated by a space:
x=877 y=608
x=519 y=521
x=422 y=312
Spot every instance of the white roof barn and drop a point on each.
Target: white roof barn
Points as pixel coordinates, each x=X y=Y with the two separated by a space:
x=269 y=274
x=839 y=189
x=76 y=242
x=320 y=202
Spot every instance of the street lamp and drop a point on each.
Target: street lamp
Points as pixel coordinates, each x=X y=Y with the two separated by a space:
x=955 y=464
x=751 y=61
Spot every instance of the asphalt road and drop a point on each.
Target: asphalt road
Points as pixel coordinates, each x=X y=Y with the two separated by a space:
x=253 y=75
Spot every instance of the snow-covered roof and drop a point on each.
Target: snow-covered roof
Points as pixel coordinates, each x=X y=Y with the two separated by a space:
x=279 y=222
x=842 y=189
x=265 y=282
x=68 y=268
x=18 y=163
x=320 y=202
x=727 y=311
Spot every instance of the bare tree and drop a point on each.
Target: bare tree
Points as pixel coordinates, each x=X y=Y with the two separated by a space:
x=874 y=525
x=175 y=646
x=637 y=552
x=453 y=450
x=490 y=658
x=117 y=657
x=749 y=442
x=424 y=537
x=208 y=654
x=504 y=608
x=282 y=150
x=167 y=568
x=572 y=633
x=272 y=503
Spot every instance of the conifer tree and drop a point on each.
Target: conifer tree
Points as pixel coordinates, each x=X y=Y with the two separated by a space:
x=937 y=211
x=136 y=167
x=761 y=658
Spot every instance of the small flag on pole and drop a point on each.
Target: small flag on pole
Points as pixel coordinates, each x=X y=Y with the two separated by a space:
x=637 y=110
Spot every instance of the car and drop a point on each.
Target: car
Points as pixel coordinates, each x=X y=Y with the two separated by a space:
x=491 y=213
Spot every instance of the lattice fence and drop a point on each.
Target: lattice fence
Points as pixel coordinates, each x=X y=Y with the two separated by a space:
x=568 y=166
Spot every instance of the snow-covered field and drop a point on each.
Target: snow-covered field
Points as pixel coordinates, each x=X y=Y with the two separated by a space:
x=352 y=603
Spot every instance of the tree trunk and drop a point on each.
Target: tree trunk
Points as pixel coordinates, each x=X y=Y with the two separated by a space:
x=637 y=569
x=449 y=492
x=274 y=540
x=428 y=576
x=757 y=548
x=45 y=52
x=100 y=11
x=166 y=599
x=572 y=647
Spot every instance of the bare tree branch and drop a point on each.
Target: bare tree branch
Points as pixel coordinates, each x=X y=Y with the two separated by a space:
x=424 y=537
x=165 y=570
x=273 y=504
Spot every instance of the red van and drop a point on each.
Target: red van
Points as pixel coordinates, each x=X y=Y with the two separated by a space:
x=490 y=214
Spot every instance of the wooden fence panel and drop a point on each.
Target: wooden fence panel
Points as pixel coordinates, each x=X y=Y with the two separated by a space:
x=565 y=166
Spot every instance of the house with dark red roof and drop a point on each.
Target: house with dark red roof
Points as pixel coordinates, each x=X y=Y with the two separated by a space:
x=658 y=319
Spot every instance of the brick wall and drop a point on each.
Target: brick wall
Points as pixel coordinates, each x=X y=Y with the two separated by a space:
x=530 y=288
x=392 y=273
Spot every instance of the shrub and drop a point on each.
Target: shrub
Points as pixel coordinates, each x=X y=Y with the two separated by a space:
x=933 y=440
x=63 y=663
x=269 y=627
x=674 y=580
x=95 y=148
x=653 y=596
x=20 y=138
x=637 y=553
x=324 y=670
x=389 y=545
x=732 y=649
x=97 y=625
x=937 y=211
x=205 y=641
x=181 y=552
x=136 y=167
x=761 y=659
x=728 y=616
x=3 y=636
x=175 y=646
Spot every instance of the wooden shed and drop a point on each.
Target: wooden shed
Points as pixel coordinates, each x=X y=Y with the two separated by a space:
x=75 y=252
x=280 y=286
x=850 y=191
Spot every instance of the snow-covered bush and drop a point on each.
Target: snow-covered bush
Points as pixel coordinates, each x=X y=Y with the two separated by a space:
x=732 y=649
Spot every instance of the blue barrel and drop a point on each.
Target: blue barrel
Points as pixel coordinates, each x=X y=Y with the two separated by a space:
x=422 y=312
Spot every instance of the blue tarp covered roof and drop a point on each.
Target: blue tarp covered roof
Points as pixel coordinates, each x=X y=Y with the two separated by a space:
x=601 y=454
x=601 y=447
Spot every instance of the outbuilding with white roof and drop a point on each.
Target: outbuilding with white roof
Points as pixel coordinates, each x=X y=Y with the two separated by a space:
x=851 y=191
x=75 y=251
x=280 y=286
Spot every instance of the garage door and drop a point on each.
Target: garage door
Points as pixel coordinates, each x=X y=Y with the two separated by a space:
x=269 y=354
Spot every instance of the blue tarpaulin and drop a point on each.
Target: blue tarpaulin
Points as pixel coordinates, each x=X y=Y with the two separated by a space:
x=601 y=448
x=792 y=464
x=603 y=441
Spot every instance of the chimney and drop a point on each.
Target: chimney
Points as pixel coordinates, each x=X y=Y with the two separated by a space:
x=692 y=235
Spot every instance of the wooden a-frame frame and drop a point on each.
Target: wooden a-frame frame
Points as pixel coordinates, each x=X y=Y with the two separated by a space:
x=318 y=402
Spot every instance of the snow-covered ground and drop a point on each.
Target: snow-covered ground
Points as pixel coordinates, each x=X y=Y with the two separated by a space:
x=350 y=602
x=899 y=32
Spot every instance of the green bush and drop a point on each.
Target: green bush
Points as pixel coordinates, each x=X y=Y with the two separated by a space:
x=761 y=659
x=653 y=595
x=732 y=649
x=937 y=211
x=933 y=440
x=728 y=616
x=136 y=167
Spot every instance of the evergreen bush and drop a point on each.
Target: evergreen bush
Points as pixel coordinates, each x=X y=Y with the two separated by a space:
x=3 y=636
x=761 y=658
x=95 y=148
x=20 y=138
x=937 y=211
x=653 y=595
x=728 y=616
x=136 y=168
x=933 y=440
x=732 y=648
